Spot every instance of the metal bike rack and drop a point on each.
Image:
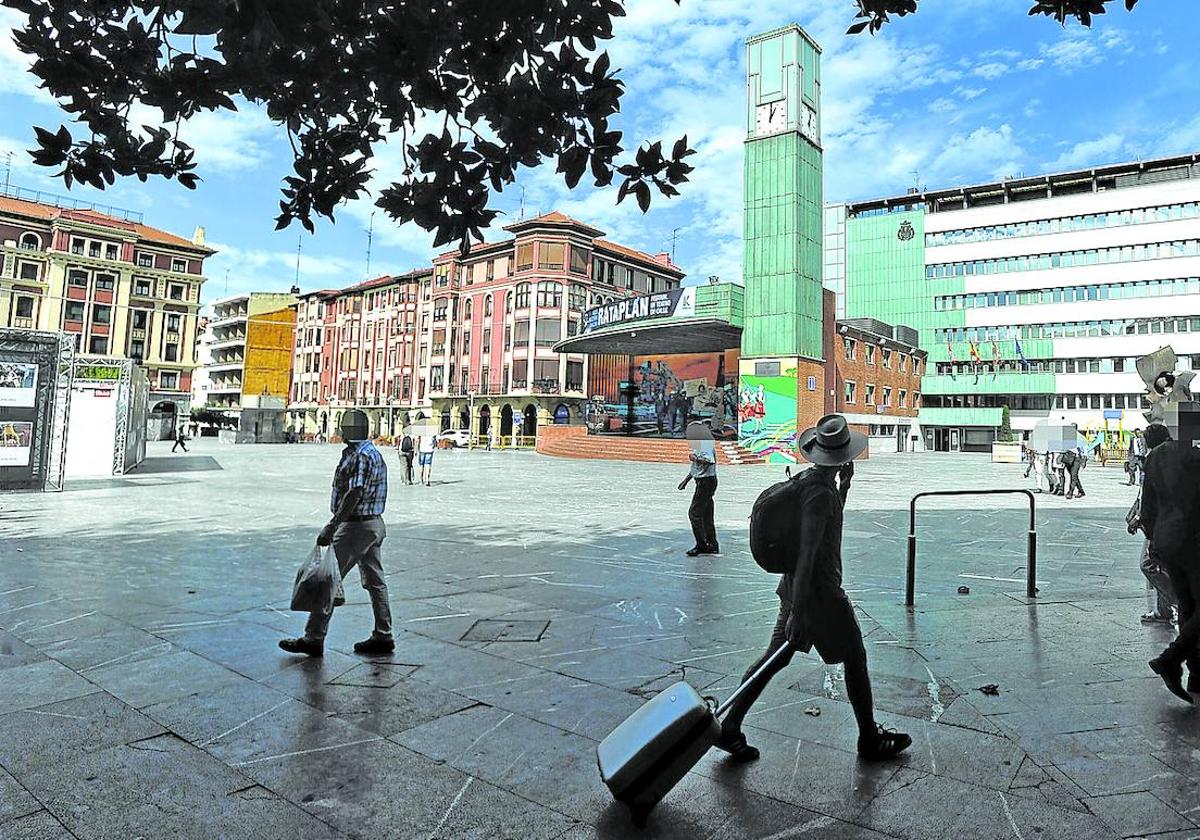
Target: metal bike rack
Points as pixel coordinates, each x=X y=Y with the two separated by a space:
x=1031 y=561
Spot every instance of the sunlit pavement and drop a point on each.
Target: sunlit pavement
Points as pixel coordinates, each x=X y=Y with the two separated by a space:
x=537 y=603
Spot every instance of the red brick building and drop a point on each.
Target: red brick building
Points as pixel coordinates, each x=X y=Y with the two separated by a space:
x=877 y=380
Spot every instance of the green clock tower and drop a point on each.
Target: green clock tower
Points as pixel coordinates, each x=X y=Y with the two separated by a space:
x=782 y=360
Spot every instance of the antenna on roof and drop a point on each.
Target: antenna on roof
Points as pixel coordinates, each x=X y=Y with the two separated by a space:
x=522 y=216
x=226 y=283
x=370 y=236
x=299 y=239
x=7 y=168
x=674 y=238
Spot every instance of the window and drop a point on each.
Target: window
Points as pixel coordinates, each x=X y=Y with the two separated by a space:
x=574 y=376
x=178 y=265
x=521 y=335
x=551 y=255
x=579 y=258
x=467 y=310
x=76 y=246
x=168 y=380
x=98 y=344
x=173 y=322
x=105 y=282
x=628 y=273
x=140 y=317
x=74 y=310
x=30 y=242
x=903 y=362
x=24 y=307
x=102 y=314
x=870 y=354
x=848 y=345
x=887 y=396
x=525 y=256
x=487 y=340
x=175 y=291
x=887 y=359
x=522 y=296
x=545 y=371
x=548 y=332
x=94 y=249
x=485 y=374
x=766 y=368
x=869 y=397
x=466 y=348
x=903 y=399
x=549 y=295
x=110 y=252
x=487 y=305
x=77 y=278
x=439 y=310
x=29 y=271
x=578 y=295
x=849 y=391
x=137 y=349
x=145 y=260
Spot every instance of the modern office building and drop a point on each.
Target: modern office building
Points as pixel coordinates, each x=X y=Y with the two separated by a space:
x=1035 y=293
x=248 y=362
x=121 y=288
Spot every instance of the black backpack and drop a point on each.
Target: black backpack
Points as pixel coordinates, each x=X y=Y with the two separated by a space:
x=775 y=525
x=406 y=444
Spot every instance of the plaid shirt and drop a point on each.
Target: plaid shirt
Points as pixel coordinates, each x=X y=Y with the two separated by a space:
x=362 y=466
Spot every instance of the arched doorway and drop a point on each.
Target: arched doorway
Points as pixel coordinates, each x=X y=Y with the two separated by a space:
x=162 y=420
x=506 y=420
x=445 y=420
x=485 y=420
x=562 y=415
x=529 y=421
x=324 y=422
x=464 y=419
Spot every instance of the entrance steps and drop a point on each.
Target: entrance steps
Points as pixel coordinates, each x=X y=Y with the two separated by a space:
x=579 y=444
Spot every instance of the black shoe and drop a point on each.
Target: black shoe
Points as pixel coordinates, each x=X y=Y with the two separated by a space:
x=1080 y=495
x=695 y=551
x=737 y=747
x=712 y=549
x=1172 y=675
x=1193 y=683
x=303 y=646
x=375 y=646
x=883 y=744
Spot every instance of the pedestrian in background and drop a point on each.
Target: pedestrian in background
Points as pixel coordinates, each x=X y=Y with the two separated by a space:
x=180 y=439
x=701 y=513
x=1170 y=515
x=1073 y=461
x=1138 y=447
x=425 y=446
x=814 y=610
x=356 y=531
x=1150 y=564
x=407 y=449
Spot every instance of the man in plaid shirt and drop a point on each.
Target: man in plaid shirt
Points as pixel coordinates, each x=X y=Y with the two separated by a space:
x=356 y=532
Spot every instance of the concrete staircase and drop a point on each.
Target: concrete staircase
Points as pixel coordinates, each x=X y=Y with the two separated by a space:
x=579 y=444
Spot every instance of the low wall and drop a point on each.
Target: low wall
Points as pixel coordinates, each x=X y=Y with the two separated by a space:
x=547 y=435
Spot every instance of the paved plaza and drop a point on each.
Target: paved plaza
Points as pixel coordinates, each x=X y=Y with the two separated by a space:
x=538 y=602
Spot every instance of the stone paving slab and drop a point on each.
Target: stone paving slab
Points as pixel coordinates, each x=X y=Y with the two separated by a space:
x=538 y=602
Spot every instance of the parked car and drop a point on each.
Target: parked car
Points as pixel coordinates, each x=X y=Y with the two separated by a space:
x=455 y=437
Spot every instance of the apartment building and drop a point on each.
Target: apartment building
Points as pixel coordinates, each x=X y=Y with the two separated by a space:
x=120 y=287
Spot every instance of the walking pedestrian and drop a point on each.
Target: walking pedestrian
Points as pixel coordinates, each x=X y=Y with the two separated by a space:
x=1060 y=473
x=180 y=439
x=356 y=531
x=1073 y=460
x=407 y=449
x=426 y=443
x=1150 y=563
x=814 y=610
x=1170 y=515
x=1138 y=448
x=703 y=472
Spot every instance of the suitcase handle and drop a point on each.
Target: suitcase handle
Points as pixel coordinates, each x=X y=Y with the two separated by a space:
x=785 y=649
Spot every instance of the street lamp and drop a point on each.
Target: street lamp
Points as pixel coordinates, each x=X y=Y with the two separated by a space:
x=470 y=419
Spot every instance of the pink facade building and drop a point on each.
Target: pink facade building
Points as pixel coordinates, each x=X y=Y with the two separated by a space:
x=468 y=345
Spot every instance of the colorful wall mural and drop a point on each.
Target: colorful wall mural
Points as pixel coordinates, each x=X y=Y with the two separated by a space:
x=767 y=416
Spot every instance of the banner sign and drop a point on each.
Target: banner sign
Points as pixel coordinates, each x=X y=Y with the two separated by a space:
x=677 y=303
x=97 y=373
x=18 y=384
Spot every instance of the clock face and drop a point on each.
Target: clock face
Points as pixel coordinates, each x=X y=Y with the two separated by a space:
x=770 y=118
x=808 y=124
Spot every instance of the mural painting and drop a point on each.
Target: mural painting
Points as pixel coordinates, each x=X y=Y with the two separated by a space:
x=673 y=390
x=767 y=416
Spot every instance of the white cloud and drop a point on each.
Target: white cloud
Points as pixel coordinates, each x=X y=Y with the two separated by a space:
x=259 y=269
x=1106 y=149
x=225 y=142
x=15 y=77
x=970 y=93
x=991 y=151
x=1030 y=63
x=943 y=105
x=991 y=70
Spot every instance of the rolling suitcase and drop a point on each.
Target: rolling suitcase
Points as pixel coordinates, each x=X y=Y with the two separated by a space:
x=655 y=747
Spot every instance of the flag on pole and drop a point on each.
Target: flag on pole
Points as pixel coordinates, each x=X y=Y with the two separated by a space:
x=953 y=361
x=995 y=359
x=975 y=360
x=1021 y=355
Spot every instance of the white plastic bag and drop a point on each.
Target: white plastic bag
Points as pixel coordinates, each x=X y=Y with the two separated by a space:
x=318 y=586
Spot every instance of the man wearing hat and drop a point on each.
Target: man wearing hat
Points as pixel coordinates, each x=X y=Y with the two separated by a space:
x=356 y=532
x=814 y=610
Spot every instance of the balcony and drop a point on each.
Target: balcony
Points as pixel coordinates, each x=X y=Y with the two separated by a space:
x=235 y=364
x=224 y=387
x=229 y=341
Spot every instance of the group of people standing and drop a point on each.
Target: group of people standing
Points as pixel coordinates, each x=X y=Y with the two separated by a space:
x=420 y=447
x=1056 y=473
x=1167 y=511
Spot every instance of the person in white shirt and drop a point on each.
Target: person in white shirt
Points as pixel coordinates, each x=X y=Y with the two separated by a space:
x=704 y=473
x=426 y=443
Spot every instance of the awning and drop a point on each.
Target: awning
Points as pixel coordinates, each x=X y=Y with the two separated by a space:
x=694 y=335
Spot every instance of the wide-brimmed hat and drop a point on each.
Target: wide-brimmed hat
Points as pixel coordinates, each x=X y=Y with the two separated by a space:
x=832 y=442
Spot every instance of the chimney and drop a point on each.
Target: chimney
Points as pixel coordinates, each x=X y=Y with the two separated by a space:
x=663 y=257
x=198 y=236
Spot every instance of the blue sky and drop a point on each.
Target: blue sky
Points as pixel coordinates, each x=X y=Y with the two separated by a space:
x=941 y=98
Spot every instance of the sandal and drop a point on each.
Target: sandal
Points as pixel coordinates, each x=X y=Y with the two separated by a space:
x=738 y=749
x=887 y=743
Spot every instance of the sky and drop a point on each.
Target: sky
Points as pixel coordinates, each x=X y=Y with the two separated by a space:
x=965 y=91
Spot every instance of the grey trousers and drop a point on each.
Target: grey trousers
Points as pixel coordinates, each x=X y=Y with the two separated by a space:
x=357 y=544
x=1159 y=580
